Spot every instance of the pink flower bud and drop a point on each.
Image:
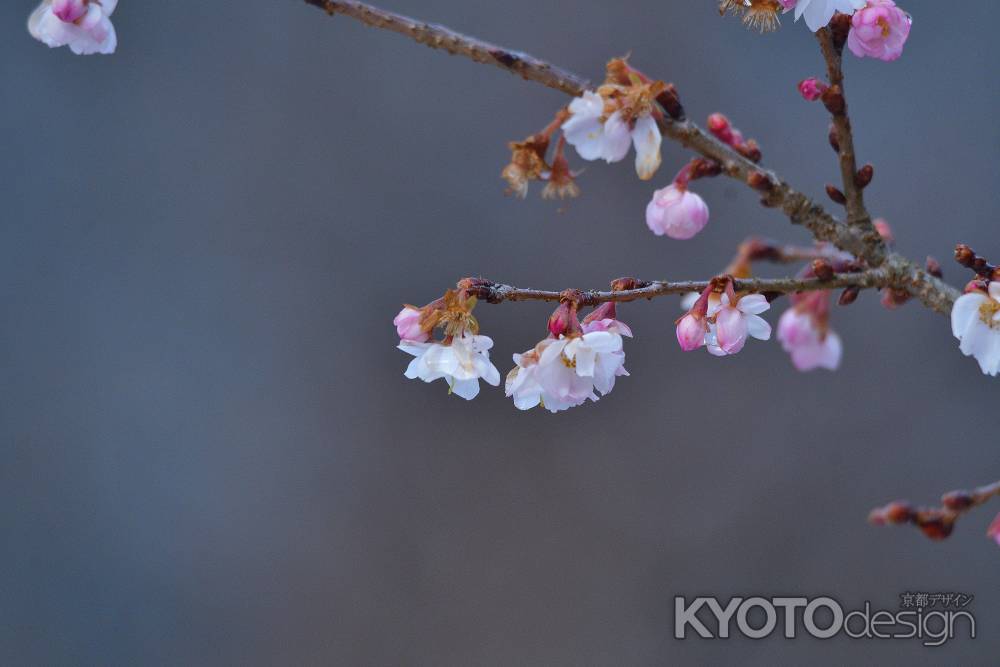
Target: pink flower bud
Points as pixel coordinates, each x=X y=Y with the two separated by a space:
x=408 y=325
x=69 y=11
x=676 y=212
x=884 y=230
x=564 y=320
x=879 y=31
x=994 y=530
x=691 y=332
x=811 y=89
x=720 y=126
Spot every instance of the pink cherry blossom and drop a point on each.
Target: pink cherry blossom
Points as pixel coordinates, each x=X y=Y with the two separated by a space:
x=809 y=347
x=735 y=320
x=82 y=25
x=408 y=325
x=676 y=212
x=879 y=31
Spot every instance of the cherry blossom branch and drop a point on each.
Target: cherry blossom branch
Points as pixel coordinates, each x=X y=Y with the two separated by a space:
x=862 y=242
x=441 y=37
x=831 y=40
x=937 y=522
x=499 y=292
x=778 y=194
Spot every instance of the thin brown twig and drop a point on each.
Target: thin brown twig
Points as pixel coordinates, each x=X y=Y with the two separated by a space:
x=936 y=523
x=499 y=292
x=797 y=207
x=857 y=214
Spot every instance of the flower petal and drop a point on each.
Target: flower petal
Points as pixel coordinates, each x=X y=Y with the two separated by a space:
x=753 y=304
x=646 y=138
x=758 y=327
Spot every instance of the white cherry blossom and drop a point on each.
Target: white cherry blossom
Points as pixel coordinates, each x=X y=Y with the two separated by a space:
x=595 y=138
x=817 y=13
x=561 y=373
x=975 y=321
x=462 y=363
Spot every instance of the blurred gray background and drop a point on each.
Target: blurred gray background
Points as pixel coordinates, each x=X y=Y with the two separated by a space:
x=210 y=455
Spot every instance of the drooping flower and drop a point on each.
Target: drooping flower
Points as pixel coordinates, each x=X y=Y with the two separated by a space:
x=804 y=333
x=82 y=25
x=975 y=321
x=735 y=319
x=604 y=127
x=408 y=325
x=460 y=362
x=818 y=13
x=564 y=371
x=879 y=30
x=676 y=212
x=527 y=163
x=561 y=180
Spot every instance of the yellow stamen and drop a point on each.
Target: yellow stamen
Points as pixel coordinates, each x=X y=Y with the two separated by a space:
x=988 y=311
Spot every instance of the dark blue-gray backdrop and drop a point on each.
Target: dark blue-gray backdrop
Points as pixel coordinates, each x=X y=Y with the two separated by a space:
x=210 y=456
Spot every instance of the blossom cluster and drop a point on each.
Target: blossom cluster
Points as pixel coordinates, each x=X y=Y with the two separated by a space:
x=878 y=28
x=580 y=360
x=573 y=364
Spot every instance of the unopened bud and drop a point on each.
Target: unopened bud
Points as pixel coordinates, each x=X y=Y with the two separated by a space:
x=898 y=512
x=822 y=269
x=849 y=295
x=627 y=283
x=671 y=102
x=758 y=180
x=834 y=139
x=836 y=195
x=884 y=230
x=750 y=150
x=811 y=89
x=720 y=127
x=937 y=527
x=893 y=298
x=864 y=176
x=564 y=320
x=964 y=255
x=833 y=100
x=957 y=500
x=703 y=168
x=934 y=267
x=477 y=287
